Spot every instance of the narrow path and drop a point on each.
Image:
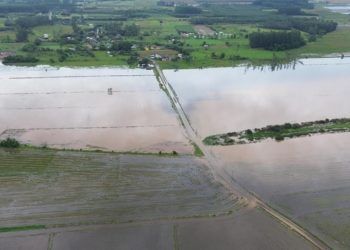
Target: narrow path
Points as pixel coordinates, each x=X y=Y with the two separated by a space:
x=216 y=167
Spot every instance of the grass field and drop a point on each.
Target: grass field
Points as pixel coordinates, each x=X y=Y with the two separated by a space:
x=21 y=228
x=54 y=31
x=335 y=42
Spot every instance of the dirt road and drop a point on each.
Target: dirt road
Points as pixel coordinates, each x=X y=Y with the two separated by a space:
x=220 y=175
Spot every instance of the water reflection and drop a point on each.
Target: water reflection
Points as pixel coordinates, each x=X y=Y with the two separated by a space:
x=231 y=99
x=104 y=108
x=305 y=178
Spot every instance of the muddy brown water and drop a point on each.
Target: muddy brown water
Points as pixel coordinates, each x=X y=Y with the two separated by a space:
x=72 y=108
x=220 y=100
x=251 y=230
x=306 y=178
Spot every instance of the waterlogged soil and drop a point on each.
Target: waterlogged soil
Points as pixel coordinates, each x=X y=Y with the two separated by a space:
x=251 y=229
x=105 y=108
x=222 y=100
x=46 y=187
x=304 y=178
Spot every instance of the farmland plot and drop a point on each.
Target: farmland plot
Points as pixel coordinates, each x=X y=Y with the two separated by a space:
x=48 y=187
x=105 y=108
x=251 y=229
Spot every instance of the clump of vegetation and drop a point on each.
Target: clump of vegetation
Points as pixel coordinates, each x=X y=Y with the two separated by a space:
x=280 y=40
x=197 y=150
x=278 y=4
x=187 y=10
x=9 y=143
x=21 y=228
x=19 y=59
x=280 y=132
x=313 y=26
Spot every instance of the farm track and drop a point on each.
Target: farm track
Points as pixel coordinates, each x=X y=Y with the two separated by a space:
x=216 y=167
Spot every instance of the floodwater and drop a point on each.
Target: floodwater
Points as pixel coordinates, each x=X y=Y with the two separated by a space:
x=251 y=230
x=220 y=100
x=90 y=108
x=306 y=178
x=342 y=9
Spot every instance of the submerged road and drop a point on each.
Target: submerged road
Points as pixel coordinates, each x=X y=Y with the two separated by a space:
x=216 y=167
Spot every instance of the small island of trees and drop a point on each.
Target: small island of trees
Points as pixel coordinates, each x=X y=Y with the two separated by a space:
x=280 y=132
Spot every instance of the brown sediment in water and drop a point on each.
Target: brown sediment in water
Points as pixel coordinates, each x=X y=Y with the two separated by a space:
x=233 y=99
x=306 y=178
x=71 y=108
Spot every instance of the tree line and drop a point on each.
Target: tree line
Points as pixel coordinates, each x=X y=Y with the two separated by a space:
x=35 y=6
x=277 y=4
x=312 y=26
x=276 y=40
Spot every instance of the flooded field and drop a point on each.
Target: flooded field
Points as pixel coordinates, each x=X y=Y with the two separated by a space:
x=47 y=187
x=306 y=178
x=221 y=100
x=89 y=200
x=105 y=108
x=252 y=229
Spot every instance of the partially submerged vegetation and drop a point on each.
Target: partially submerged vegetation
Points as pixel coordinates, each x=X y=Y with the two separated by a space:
x=197 y=150
x=9 y=143
x=280 y=132
x=21 y=228
x=97 y=182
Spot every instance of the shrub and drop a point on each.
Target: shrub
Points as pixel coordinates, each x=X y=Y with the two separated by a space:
x=9 y=143
x=19 y=59
x=249 y=132
x=279 y=138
